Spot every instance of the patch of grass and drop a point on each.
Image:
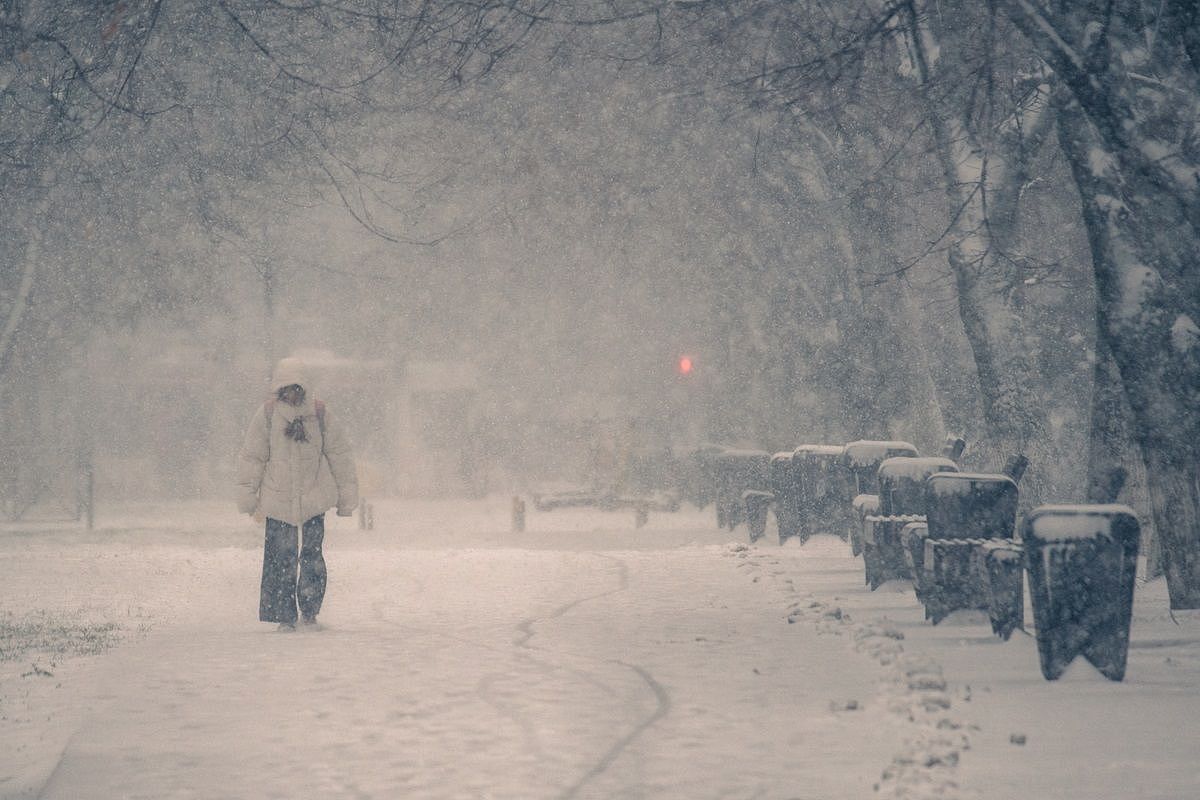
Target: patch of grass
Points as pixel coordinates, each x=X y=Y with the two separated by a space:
x=43 y=632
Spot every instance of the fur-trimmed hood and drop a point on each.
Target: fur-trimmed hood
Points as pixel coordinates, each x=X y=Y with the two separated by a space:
x=287 y=372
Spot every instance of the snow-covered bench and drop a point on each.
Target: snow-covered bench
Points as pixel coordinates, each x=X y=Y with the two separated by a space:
x=1082 y=561
x=901 y=501
x=965 y=513
x=823 y=487
x=698 y=477
x=997 y=566
x=735 y=472
x=863 y=457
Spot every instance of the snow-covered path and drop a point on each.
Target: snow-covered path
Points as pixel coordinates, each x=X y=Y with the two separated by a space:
x=583 y=658
x=496 y=674
x=517 y=673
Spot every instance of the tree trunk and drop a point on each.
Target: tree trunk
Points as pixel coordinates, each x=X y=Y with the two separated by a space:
x=32 y=258
x=856 y=332
x=1174 y=484
x=1011 y=414
x=12 y=320
x=984 y=282
x=925 y=412
x=890 y=391
x=1107 y=435
x=1146 y=306
x=1115 y=466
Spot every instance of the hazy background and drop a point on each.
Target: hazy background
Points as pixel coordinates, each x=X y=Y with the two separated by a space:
x=556 y=217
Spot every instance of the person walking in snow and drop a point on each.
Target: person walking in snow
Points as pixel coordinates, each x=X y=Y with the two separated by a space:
x=295 y=465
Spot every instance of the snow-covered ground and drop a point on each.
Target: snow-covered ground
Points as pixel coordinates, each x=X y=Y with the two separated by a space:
x=583 y=658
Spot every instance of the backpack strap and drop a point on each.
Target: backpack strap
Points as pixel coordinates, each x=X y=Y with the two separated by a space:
x=268 y=411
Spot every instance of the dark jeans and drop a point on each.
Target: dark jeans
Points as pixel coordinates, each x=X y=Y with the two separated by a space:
x=280 y=589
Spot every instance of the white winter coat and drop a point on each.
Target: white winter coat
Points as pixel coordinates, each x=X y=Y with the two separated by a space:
x=294 y=481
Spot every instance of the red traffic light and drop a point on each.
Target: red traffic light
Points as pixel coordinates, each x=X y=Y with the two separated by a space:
x=685 y=365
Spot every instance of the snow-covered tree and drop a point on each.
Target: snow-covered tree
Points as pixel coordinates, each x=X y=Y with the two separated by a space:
x=1129 y=112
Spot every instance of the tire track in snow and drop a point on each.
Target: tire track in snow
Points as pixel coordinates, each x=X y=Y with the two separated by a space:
x=661 y=695
x=526 y=626
x=663 y=698
x=486 y=687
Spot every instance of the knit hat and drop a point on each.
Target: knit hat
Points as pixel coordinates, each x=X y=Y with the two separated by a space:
x=287 y=372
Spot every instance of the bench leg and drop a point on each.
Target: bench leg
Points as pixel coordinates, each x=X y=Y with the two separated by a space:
x=893 y=565
x=953 y=584
x=1006 y=594
x=871 y=566
x=856 y=543
x=756 y=521
x=914 y=557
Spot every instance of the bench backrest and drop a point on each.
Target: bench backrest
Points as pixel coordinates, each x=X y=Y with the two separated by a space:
x=863 y=458
x=902 y=482
x=822 y=473
x=1066 y=523
x=738 y=470
x=699 y=475
x=782 y=474
x=820 y=450
x=969 y=505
